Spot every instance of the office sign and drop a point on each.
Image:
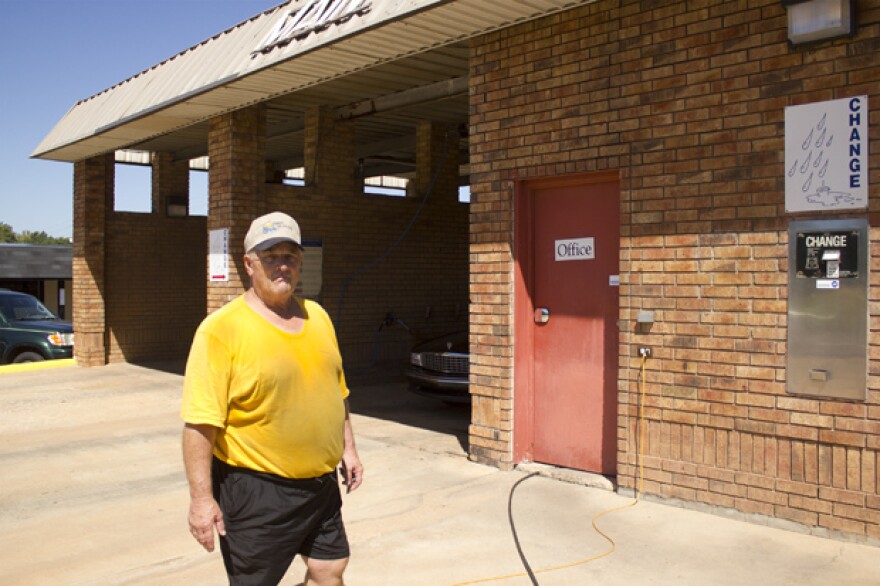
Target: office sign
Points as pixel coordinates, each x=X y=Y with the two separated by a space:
x=575 y=249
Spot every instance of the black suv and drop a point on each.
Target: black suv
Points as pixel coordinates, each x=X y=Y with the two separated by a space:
x=29 y=332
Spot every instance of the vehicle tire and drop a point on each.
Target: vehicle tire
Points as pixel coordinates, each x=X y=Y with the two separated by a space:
x=28 y=357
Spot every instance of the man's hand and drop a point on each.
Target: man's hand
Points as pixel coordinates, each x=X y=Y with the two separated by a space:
x=352 y=470
x=204 y=517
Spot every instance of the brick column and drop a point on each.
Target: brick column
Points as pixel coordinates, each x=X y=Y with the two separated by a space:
x=170 y=179
x=329 y=157
x=92 y=200
x=236 y=190
x=435 y=145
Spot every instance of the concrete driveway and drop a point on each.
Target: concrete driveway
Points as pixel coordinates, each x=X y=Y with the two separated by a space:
x=93 y=493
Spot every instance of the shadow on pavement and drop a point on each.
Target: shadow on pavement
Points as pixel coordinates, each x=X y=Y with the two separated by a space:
x=384 y=394
x=388 y=397
x=170 y=366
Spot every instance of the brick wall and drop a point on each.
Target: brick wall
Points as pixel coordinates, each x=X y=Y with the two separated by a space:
x=155 y=285
x=687 y=100
x=367 y=268
x=139 y=288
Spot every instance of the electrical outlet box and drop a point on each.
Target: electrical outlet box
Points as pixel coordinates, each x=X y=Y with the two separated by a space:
x=645 y=317
x=644 y=351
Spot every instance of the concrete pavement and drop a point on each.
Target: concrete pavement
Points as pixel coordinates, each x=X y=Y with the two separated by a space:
x=93 y=493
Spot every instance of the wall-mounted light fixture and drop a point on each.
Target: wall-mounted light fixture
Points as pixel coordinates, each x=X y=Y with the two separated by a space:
x=818 y=20
x=176 y=206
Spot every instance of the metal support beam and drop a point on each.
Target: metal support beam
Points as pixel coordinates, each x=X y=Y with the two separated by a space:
x=419 y=95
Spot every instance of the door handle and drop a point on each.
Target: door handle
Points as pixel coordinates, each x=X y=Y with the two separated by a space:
x=542 y=315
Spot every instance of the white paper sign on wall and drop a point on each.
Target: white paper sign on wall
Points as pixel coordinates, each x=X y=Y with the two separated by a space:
x=218 y=254
x=826 y=155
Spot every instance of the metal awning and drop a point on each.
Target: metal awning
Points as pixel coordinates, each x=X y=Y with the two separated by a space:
x=383 y=48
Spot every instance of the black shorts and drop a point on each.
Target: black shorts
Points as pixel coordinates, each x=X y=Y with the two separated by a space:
x=270 y=519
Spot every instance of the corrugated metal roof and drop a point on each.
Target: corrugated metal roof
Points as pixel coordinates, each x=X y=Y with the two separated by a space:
x=166 y=107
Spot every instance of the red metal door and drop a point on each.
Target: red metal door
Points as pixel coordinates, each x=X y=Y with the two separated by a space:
x=575 y=252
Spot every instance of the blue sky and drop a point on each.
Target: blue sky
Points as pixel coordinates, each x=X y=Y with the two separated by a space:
x=56 y=52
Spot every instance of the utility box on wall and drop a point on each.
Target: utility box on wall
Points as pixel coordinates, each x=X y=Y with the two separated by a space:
x=828 y=308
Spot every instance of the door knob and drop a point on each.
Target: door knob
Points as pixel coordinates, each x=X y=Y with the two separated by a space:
x=542 y=315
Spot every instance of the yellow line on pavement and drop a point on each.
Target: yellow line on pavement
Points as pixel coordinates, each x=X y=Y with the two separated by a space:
x=24 y=366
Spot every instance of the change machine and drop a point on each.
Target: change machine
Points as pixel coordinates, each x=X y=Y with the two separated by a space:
x=828 y=308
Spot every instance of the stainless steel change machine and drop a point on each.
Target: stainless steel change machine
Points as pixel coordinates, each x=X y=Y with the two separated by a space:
x=828 y=308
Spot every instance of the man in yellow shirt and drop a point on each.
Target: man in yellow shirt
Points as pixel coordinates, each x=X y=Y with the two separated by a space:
x=267 y=423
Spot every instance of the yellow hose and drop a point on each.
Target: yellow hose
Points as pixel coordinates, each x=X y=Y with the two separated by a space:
x=642 y=428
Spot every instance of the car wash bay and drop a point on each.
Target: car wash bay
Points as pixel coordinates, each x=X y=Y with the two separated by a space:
x=690 y=107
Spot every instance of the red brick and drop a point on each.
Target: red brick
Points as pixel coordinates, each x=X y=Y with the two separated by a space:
x=705 y=235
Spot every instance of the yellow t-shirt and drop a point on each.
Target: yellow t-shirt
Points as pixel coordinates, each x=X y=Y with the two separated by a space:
x=276 y=398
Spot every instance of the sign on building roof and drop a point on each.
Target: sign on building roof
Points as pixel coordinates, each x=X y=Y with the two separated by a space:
x=313 y=16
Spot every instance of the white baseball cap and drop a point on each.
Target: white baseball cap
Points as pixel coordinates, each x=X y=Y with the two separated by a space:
x=267 y=231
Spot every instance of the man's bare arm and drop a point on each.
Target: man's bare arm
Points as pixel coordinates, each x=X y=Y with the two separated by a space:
x=352 y=469
x=204 y=513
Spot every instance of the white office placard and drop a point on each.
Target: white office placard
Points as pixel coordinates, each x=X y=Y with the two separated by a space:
x=826 y=155
x=218 y=255
x=575 y=249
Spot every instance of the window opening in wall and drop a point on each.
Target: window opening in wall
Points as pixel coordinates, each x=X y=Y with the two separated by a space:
x=198 y=192
x=386 y=185
x=133 y=188
x=464 y=194
x=295 y=177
